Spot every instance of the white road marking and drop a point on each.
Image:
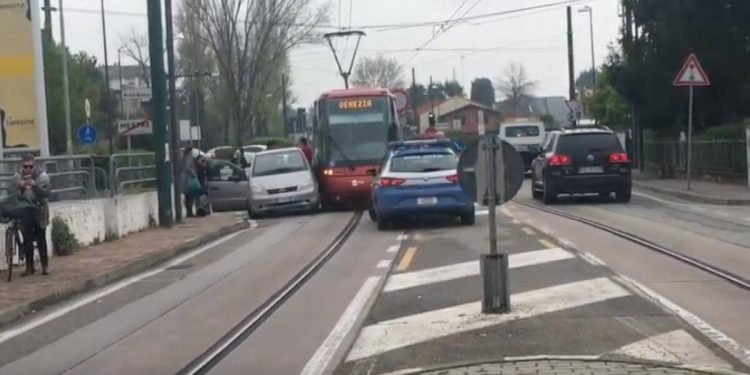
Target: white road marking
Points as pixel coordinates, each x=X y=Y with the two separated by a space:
x=385 y=263
x=514 y=221
x=719 y=338
x=393 y=249
x=86 y=299
x=414 y=329
x=319 y=362
x=747 y=219
x=481 y=213
x=402 y=237
x=676 y=346
x=455 y=271
x=591 y=259
x=528 y=231
x=721 y=213
x=253 y=223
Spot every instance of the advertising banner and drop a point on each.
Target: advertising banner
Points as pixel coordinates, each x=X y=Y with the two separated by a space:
x=22 y=100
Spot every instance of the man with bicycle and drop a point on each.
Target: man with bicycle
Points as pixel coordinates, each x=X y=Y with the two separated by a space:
x=33 y=184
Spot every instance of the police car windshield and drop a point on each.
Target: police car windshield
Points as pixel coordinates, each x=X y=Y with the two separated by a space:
x=423 y=163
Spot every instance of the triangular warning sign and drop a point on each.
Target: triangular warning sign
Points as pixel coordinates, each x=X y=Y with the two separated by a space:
x=691 y=74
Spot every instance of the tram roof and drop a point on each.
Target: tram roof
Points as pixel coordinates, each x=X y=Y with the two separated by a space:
x=349 y=93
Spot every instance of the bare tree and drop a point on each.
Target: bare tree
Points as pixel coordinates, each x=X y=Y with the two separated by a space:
x=135 y=46
x=378 y=71
x=516 y=84
x=250 y=39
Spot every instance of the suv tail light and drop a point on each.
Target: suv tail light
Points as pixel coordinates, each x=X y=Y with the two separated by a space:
x=453 y=178
x=390 y=181
x=618 y=157
x=560 y=160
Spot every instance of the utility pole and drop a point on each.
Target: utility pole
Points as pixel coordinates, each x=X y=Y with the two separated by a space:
x=106 y=82
x=48 y=19
x=159 y=100
x=283 y=103
x=432 y=101
x=414 y=99
x=173 y=125
x=66 y=85
x=571 y=67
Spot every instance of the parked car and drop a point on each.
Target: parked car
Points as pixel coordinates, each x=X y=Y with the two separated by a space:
x=419 y=178
x=281 y=180
x=583 y=160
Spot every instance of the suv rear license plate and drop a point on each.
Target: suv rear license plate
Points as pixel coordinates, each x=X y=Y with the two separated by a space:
x=427 y=201
x=590 y=170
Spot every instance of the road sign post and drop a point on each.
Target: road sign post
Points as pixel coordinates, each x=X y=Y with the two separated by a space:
x=491 y=178
x=691 y=75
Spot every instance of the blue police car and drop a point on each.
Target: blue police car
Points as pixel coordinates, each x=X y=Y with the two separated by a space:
x=419 y=178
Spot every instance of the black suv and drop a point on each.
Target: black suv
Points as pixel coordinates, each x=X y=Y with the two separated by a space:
x=582 y=160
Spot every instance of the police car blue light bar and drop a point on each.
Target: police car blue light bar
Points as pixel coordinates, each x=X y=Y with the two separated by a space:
x=420 y=143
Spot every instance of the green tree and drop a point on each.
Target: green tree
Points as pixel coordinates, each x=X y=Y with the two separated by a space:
x=85 y=80
x=483 y=92
x=656 y=40
x=453 y=88
x=606 y=105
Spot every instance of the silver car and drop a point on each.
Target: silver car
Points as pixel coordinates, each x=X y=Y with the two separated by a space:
x=281 y=180
x=229 y=186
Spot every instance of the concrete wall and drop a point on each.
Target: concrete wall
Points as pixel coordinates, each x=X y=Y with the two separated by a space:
x=99 y=219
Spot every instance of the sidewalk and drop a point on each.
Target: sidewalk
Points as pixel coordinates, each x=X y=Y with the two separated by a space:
x=569 y=314
x=104 y=263
x=702 y=191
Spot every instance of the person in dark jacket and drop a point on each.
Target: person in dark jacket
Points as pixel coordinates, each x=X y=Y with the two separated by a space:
x=188 y=172
x=34 y=184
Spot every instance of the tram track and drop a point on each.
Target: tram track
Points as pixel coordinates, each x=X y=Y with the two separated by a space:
x=725 y=275
x=251 y=322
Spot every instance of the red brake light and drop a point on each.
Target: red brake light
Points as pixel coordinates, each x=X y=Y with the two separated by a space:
x=389 y=181
x=618 y=157
x=453 y=178
x=560 y=160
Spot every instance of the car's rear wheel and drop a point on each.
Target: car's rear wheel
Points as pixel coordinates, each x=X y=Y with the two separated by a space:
x=549 y=195
x=623 y=196
x=383 y=223
x=536 y=194
x=373 y=214
x=468 y=219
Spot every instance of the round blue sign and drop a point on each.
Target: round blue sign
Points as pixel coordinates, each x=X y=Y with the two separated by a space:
x=87 y=134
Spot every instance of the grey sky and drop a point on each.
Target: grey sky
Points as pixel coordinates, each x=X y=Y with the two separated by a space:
x=536 y=39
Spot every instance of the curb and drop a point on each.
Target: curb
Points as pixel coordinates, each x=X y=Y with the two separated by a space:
x=694 y=197
x=14 y=313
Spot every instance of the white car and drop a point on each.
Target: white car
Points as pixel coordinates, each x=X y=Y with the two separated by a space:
x=282 y=180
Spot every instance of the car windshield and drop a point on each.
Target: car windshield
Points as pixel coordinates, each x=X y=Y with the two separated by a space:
x=278 y=163
x=522 y=131
x=588 y=143
x=422 y=163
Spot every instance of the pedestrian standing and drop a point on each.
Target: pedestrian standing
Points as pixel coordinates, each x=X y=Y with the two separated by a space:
x=188 y=173
x=33 y=185
x=306 y=149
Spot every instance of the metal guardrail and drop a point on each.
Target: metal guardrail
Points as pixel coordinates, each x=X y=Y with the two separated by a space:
x=718 y=158
x=131 y=170
x=71 y=177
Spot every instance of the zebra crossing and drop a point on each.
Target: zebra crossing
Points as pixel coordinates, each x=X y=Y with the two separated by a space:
x=563 y=304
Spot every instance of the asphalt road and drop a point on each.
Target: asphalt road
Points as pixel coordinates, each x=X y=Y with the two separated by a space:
x=161 y=323
x=716 y=235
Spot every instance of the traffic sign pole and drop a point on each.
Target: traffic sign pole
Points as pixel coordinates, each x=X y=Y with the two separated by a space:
x=690 y=140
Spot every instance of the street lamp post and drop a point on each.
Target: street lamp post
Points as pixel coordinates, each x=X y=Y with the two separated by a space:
x=587 y=9
x=66 y=85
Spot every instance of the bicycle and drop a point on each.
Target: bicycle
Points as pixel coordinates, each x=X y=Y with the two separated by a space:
x=12 y=245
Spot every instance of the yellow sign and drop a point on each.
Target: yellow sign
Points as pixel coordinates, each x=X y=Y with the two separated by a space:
x=18 y=81
x=355 y=104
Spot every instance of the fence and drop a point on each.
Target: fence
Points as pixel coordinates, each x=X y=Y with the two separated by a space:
x=724 y=160
x=71 y=177
x=132 y=172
